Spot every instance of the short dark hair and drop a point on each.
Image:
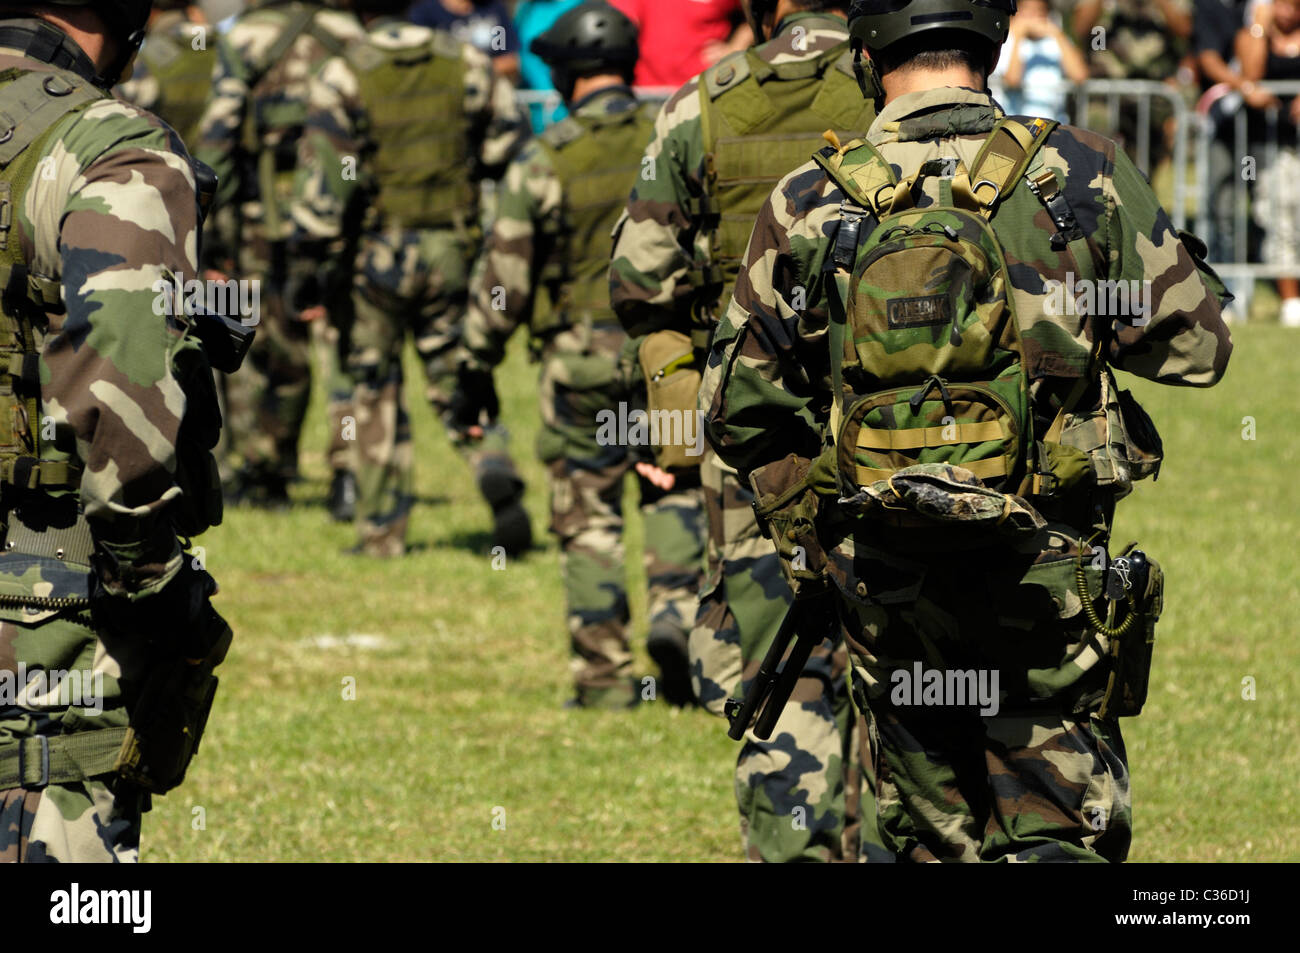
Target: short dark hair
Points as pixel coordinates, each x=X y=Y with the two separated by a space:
x=938 y=50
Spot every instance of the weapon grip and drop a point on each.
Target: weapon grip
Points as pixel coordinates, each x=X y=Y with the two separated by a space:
x=762 y=684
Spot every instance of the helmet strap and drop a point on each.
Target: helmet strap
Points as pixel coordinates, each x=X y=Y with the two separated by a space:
x=868 y=77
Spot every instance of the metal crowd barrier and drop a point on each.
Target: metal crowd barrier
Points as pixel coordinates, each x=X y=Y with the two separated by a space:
x=1205 y=147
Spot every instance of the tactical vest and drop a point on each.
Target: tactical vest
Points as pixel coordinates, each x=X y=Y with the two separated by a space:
x=759 y=122
x=34 y=103
x=184 y=76
x=597 y=159
x=415 y=101
x=273 y=124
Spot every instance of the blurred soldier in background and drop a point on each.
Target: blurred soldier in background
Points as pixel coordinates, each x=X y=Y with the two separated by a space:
x=401 y=128
x=173 y=73
x=546 y=268
x=107 y=638
x=249 y=134
x=721 y=143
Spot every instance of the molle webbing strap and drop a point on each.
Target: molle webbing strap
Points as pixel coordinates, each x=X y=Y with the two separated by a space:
x=36 y=762
x=33 y=103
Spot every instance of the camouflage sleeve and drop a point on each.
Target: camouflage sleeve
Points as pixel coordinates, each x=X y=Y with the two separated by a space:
x=218 y=139
x=766 y=390
x=498 y=128
x=1183 y=340
x=117 y=216
x=330 y=170
x=656 y=242
x=504 y=292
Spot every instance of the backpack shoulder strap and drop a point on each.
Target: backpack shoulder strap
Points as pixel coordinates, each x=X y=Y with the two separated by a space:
x=34 y=102
x=858 y=168
x=1001 y=162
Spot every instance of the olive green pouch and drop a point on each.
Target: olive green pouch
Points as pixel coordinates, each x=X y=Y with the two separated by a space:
x=672 y=379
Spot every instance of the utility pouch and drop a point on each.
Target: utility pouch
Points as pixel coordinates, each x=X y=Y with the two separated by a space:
x=672 y=379
x=171 y=712
x=1130 y=651
x=786 y=505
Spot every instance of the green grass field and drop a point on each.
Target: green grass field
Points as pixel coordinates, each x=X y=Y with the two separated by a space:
x=460 y=670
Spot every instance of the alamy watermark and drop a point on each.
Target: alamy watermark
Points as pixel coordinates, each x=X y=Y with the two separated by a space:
x=949 y=688
x=46 y=688
x=232 y=297
x=654 y=428
x=1130 y=300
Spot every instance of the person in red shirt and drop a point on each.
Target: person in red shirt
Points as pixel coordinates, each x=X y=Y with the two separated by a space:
x=682 y=38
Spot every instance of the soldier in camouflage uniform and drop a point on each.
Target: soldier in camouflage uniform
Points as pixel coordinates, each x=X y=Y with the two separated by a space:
x=400 y=129
x=721 y=143
x=1045 y=775
x=173 y=73
x=546 y=268
x=249 y=135
x=105 y=456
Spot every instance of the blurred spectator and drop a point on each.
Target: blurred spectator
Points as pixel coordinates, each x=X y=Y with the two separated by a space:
x=532 y=19
x=682 y=38
x=1136 y=39
x=1214 y=36
x=1036 y=63
x=484 y=24
x=1140 y=39
x=1270 y=50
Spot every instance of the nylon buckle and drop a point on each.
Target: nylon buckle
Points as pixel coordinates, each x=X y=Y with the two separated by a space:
x=45 y=763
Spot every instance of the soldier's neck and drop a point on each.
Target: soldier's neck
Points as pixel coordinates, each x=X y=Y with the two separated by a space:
x=584 y=86
x=900 y=82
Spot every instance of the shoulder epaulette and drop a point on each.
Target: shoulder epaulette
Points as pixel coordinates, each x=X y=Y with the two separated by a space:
x=727 y=73
x=562 y=133
x=444 y=44
x=363 y=55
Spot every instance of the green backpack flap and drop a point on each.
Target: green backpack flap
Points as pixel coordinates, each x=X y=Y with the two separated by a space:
x=927 y=358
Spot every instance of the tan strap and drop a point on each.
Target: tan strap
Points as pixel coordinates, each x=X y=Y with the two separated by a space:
x=870 y=438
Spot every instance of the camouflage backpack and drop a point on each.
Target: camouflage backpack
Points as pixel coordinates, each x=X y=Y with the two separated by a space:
x=926 y=352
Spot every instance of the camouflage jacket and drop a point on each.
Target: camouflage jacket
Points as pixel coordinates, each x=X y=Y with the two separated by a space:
x=530 y=208
x=117 y=213
x=659 y=241
x=241 y=55
x=767 y=389
x=333 y=183
x=171 y=35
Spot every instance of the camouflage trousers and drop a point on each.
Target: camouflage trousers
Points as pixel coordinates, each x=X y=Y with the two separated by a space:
x=266 y=400
x=801 y=794
x=1015 y=784
x=408 y=282
x=578 y=383
x=71 y=821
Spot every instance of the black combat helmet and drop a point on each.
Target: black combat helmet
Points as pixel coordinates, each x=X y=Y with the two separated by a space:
x=877 y=24
x=593 y=37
